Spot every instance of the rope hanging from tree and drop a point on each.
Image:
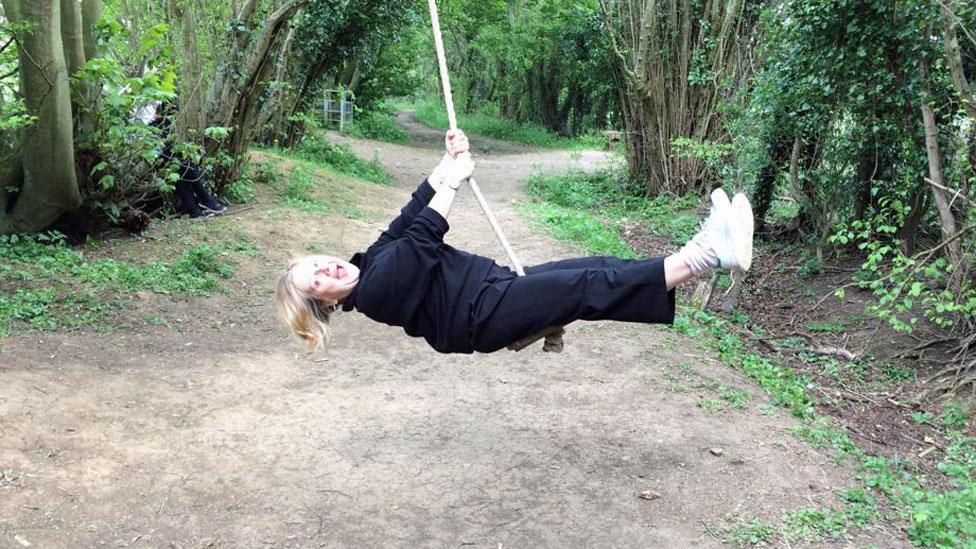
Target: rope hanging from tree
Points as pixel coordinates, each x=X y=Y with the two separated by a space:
x=553 y=335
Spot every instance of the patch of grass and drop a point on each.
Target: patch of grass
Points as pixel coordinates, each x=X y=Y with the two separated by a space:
x=810 y=266
x=953 y=416
x=619 y=199
x=11 y=477
x=922 y=417
x=709 y=405
x=263 y=173
x=317 y=150
x=936 y=519
x=821 y=433
x=736 y=399
x=48 y=286
x=430 y=112
x=378 y=125
x=896 y=373
x=582 y=228
x=241 y=190
x=814 y=524
x=745 y=531
x=300 y=193
x=788 y=389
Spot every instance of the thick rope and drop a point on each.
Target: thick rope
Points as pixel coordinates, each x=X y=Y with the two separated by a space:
x=553 y=335
x=452 y=120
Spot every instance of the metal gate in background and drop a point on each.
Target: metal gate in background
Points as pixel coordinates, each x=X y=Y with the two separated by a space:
x=338 y=107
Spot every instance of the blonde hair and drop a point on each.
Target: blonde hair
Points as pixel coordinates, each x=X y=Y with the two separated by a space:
x=307 y=317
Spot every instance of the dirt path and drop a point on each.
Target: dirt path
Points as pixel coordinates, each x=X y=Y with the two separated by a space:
x=210 y=428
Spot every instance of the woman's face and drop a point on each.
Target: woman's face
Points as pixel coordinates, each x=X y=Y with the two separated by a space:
x=324 y=278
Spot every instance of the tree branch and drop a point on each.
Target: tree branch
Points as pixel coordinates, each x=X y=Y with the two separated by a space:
x=915 y=259
x=30 y=58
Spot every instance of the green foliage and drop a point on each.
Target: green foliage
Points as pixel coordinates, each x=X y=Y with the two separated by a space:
x=48 y=285
x=127 y=148
x=316 y=148
x=709 y=405
x=582 y=228
x=714 y=155
x=241 y=190
x=299 y=188
x=907 y=286
x=953 y=416
x=488 y=122
x=737 y=399
x=936 y=519
x=379 y=125
x=747 y=532
x=304 y=189
x=14 y=115
x=545 y=62
x=813 y=524
x=824 y=327
x=619 y=199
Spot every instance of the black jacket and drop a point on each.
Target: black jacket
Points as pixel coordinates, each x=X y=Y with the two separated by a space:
x=412 y=279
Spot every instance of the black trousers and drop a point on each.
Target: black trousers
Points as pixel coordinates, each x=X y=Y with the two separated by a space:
x=191 y=191
x=554 y=294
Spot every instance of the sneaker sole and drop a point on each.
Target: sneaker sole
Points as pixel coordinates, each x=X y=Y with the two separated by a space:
x=722 y=209
x=742 y=231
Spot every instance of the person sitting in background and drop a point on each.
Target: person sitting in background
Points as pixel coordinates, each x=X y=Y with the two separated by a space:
x=195 y=199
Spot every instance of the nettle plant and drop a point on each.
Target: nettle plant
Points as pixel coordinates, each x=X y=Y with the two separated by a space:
x=908 y=286
x=123 y=148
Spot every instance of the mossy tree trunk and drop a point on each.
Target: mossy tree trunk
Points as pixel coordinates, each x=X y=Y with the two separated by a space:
x=72 y=36
x=91 y=13
x=49 y=186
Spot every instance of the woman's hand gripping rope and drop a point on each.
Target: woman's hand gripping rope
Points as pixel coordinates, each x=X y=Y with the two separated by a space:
x=456 y=165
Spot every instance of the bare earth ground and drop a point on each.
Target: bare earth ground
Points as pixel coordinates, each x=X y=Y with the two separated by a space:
x=209 y=427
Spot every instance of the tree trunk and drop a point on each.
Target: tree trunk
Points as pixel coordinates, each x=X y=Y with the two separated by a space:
x=91 y=14
x=272 y=112
x=49 y=187
x=72 y=38
x=670 y=59
x=947 y=219
x=954 y=57
x=778 y=151
x=908 y=234
x=241 y=109
x=866 y=169
x=191 y=79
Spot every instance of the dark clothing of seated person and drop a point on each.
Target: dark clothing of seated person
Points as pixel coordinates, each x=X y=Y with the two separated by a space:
x=194 y=198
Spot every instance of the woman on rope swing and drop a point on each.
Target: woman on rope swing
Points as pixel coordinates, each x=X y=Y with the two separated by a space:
x=461 y=303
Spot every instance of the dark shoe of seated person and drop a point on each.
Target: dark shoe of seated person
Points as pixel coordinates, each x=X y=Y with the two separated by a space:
x=213 y=209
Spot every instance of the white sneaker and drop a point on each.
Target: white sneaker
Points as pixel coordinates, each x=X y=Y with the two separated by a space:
x=746 y=227
x=728 y=231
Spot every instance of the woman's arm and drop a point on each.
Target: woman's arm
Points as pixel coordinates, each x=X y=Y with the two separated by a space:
x=442 y=201
x=457 y=170
x=418 y=201
x=453 y=168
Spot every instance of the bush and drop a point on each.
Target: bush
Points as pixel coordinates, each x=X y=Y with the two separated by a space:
x=316 y=149
x=379 y=125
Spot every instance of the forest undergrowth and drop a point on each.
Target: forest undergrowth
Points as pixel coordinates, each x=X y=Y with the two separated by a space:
x=915 y=457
